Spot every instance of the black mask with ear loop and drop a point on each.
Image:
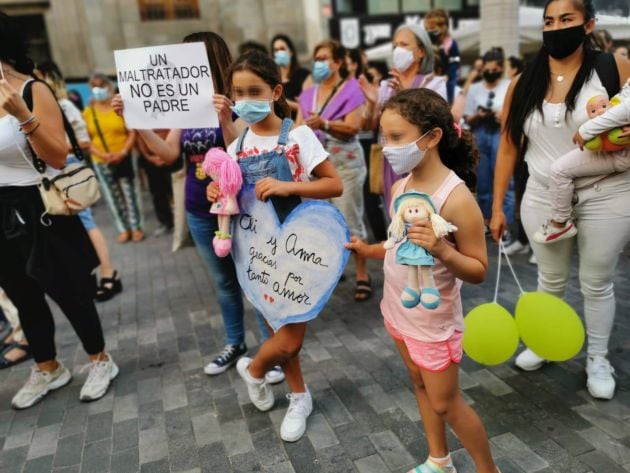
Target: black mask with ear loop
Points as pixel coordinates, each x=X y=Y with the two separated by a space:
x=564 y=42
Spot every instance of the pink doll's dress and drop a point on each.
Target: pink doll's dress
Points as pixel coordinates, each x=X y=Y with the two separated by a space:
x=226 y=205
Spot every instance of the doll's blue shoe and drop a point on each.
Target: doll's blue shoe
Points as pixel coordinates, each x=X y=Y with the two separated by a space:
x=430 y=298
x=412 y=299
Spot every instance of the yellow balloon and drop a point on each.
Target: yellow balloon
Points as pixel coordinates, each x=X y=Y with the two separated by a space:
x=549 y=326
x=491 y=336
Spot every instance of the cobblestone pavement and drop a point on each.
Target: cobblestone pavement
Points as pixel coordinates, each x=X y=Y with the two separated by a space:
x=164 y=415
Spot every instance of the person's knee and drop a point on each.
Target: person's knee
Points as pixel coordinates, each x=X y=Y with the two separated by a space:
x=290 y=347
x=596 y=288
x=443 y=406
x=552 y=282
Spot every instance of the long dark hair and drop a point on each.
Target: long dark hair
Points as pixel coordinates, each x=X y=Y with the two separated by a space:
x=427 y=110
x=338 y=52
x=219 y=57
x=356 y=56
x=13 y=45
x=293 y=65
x=531 y=89
x=264 y=67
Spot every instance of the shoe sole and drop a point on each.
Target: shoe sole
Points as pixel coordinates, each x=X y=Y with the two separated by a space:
x=57 y=384
x=224 y=369
x=531 y=368
x=275 y=380
x=111 y=378
x=603 y=397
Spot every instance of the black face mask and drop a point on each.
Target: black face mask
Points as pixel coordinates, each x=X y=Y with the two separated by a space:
x=562 y=43
x=435 y=37
x=492 y=77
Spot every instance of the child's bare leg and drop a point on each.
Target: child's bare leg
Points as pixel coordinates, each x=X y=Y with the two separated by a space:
x=446 y=401
x=293 y=372
x=281 y=347
x=434 y=426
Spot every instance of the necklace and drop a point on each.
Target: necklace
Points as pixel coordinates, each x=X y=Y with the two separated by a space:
x=560 y=77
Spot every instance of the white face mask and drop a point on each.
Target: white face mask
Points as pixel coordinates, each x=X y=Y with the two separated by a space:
x=402 y=58
x=405 y=158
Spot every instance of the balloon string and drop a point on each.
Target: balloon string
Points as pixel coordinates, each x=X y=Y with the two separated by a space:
x=518 y=283
x=496 y=286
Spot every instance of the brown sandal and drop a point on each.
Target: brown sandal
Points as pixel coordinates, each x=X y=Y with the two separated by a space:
x=123 y=237
x=137 y=236
x=363 y=292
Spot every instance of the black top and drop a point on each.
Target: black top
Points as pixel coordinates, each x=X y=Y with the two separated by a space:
x=293 y=88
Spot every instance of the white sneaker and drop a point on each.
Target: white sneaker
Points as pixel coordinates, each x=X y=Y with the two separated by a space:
x=548 y=233
x=39 y=384
x=259 y=391
x=100 y=377
x=294 y=423
x=529 y=361
x=516 y=248
x=532 y=259
x=600 y=382
x=275 y=375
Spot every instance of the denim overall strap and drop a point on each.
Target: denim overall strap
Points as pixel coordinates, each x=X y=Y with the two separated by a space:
x=241 y=138
x=284 y=131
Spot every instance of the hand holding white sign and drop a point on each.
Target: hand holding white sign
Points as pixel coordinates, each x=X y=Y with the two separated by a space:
x=166 y=86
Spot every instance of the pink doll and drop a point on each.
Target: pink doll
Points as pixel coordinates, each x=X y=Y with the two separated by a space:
x=411 y=207
x=226 y=174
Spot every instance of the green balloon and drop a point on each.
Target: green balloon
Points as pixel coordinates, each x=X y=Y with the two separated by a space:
x=491 y=336
x=549 y=326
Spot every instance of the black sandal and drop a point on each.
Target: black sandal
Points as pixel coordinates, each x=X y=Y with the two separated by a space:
x=6 y=363
x=108 y=288
x=363 y=292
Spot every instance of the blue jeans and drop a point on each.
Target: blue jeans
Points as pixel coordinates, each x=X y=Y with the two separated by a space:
x=488 y=144
x=224 y=281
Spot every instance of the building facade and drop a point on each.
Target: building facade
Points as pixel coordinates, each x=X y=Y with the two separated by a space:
x=81 y=35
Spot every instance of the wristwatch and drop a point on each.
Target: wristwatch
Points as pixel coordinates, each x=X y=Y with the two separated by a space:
x=326 y=125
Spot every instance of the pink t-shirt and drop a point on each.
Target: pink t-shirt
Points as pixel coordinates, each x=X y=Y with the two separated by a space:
x=419 y=323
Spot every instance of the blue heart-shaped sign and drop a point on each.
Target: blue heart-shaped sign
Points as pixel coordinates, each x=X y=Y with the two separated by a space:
x=288 y=271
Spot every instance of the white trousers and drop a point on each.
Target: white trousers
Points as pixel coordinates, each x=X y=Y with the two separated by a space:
x=602 y=215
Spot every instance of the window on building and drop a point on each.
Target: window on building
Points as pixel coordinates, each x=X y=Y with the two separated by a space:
x=448 y=4
x=416 y=6
x=382 y=7
x=151 y=10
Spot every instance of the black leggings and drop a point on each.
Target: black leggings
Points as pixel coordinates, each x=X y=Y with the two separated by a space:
x=70 y=287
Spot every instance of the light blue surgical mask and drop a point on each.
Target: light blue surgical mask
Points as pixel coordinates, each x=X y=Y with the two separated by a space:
x=100 y=94
x=282 y=58
x=252 y=111
x=321 y=71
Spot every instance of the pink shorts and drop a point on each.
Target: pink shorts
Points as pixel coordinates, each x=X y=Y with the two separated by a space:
x=435 y=356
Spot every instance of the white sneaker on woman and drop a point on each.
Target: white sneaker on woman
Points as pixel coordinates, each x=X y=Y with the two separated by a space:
x=516 y=248
x=275 y=375
x=600 y=382
x=100 y=377
x=529 y=361
x=294 y=423
x=39 y=384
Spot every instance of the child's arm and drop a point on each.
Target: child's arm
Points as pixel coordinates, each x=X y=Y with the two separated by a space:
x=373 y=251
x=468 y=261
x=328 y=184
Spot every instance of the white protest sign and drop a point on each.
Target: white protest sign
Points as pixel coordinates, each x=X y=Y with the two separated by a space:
x=166 y=86
x=288 y=271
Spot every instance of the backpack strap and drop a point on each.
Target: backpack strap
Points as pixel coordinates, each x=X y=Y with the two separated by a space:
x=608 y=73
x=28 y=98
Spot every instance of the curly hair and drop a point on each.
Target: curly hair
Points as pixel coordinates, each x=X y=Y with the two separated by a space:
x=427 y=110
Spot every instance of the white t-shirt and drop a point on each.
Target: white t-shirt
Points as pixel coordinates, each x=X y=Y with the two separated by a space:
x=479 y=96
x=75 y=118
x=303 y=150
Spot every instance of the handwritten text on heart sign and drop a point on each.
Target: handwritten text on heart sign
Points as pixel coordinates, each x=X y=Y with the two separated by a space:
x=288 y=271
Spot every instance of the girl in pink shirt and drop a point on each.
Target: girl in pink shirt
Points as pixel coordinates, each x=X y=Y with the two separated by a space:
x=421 y=139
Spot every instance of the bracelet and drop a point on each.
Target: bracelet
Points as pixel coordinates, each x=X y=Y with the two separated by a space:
x=326 y=125
x=29 y=133
x=26 y=122
x=33 y=123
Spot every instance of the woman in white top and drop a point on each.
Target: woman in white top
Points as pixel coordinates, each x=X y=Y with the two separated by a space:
x=544 y=108
x=42 y=254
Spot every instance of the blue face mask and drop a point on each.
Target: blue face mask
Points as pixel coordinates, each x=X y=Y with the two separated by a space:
x=252 y=111
x=321 y=71
x=100 y=94
x=282 y=58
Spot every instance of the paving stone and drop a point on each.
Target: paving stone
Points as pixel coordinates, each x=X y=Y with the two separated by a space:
x=44 y=442
x=615 y=450
x=125 y=461
x=97 y=457
x=513 y=448
x=491 y=382
x=608 y=424
x=236 y=437
x=41 y=464
x=320 y=433
x=206 y=428
x=69 y=451
x=125 y=435
x=213 y=458
x=99 y=427
x=126 y=408
x=391 y=450
x=371 y=464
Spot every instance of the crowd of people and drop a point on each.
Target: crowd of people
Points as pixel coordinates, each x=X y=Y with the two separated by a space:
x=489 y=152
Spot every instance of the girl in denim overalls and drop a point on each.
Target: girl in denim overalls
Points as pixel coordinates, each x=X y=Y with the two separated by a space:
x=279 y=161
